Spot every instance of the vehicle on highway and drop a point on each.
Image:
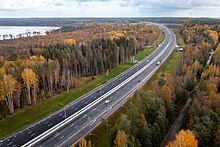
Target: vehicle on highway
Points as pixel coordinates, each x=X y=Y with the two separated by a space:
x=107 y=101
x=158 y=63
x=147 y=60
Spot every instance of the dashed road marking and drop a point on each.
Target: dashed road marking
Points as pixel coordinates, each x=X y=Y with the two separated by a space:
x=33 y=134
x=61 y=137
x=9 y=143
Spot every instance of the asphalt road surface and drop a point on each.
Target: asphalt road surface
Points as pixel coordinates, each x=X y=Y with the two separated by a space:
x=80 y=117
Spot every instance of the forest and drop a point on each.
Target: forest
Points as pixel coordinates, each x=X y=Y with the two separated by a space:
x=150 y=114
x=34 y=69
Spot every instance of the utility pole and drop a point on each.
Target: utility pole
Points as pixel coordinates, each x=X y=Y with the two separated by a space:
x=64 y=110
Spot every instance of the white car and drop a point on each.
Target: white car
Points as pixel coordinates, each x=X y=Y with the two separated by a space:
x=107 y=101
x=158 y=63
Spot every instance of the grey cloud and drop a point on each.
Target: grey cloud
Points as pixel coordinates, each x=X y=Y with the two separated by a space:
x=59 y=4
x=89 y=0
x=171 y=4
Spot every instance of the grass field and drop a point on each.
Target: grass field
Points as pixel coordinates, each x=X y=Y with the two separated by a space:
x=43 y=109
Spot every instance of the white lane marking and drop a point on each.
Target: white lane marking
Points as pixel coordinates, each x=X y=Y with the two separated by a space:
x=33 y=134
x=46 y=122
x=29 y=132
x=76 y=127
x=57 y=134
x=61 y=137
x=14 y=145
x=84 y=116
x=75 y=108
x=9 y=143
x=60 y=114
x=72 y=107
x=49 y=124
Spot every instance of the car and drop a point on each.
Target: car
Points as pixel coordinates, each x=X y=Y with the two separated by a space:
x=158 y=63
x=107 y=101
x=139 y=80
x=158 y=45
x=147 y=60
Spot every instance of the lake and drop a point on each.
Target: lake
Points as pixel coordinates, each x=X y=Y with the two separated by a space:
x=10 y=32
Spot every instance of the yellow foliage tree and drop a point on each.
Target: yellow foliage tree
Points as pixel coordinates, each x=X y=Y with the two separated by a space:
x=196 y=66
x=8 y=88
x=82 y=143
x=211 y=87
x=2 y=91
x=184 y=139
x=38 y=60
x=121 y=139
x=30 y=80
x=70 y=42
x=166 y=93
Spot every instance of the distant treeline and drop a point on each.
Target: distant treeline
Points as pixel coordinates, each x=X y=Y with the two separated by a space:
x=74 y=21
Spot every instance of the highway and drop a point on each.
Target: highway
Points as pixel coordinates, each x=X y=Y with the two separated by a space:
x=80 y=117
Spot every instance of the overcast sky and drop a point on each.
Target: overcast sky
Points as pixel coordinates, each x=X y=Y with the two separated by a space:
x=109 y=8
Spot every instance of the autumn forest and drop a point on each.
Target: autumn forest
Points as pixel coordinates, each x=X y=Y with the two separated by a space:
x=37 y=69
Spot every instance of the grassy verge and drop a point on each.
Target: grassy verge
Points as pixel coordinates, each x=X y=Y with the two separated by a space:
x=41 y=110
x=143 y=54
x=180 y=40
x=159 y=40
x=172 y=63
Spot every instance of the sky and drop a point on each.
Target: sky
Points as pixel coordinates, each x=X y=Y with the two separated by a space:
x=109 y=8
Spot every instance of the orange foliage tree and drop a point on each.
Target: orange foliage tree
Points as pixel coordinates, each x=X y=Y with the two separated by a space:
x=184 y=139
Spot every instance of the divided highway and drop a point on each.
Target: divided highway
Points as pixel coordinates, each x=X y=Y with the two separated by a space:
x=77 y=119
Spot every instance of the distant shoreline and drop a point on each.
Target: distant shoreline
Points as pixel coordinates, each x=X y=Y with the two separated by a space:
x=16 y=32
